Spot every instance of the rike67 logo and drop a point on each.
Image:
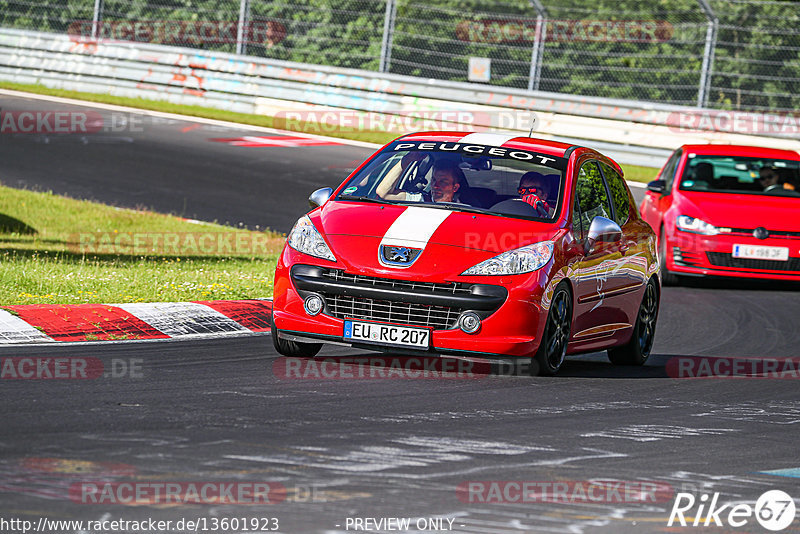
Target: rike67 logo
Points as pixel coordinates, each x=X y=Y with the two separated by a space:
x=774 y=510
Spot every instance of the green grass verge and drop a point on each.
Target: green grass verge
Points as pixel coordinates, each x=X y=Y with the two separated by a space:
x=632 y=172
x=635 y=173
x=55 y=249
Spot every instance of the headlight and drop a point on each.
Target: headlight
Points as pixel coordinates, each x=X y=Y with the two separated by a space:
x=305 y=238
x=696 y=226
x=522 y=260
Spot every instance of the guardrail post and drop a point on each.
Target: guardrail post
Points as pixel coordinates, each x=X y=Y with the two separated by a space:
x=97 y=16
x=241 y=28
x=538 y=45
x=388 y=32
x=708 y=54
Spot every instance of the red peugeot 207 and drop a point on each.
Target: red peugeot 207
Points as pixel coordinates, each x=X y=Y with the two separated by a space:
x=477 y=244
x=727 y=210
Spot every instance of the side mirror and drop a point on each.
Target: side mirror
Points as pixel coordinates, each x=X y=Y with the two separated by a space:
x=320 y=197
x=657 y=186
x=601 y=230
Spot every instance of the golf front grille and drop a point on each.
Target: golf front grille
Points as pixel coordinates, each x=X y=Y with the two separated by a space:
x=721 y=259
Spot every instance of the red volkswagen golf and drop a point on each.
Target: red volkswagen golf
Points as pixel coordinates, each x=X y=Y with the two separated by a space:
x=727 y=210
x=480 y=244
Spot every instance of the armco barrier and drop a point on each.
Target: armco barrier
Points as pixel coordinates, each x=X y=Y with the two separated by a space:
x=639 y=133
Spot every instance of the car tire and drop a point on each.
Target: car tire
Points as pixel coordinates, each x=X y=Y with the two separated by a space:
x=668 y=278
x=553 y=347
x=293 y=349
x=637 y=350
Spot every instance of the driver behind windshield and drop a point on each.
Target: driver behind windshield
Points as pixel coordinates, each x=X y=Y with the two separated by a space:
x=534 y=189
x=447 y=180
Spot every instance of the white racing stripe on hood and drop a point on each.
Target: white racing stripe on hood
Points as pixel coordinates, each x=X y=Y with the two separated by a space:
x=491 y=139
x=414 y=227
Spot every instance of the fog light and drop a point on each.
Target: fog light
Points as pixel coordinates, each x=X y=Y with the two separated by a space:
x=313 y=305
x=469 y=322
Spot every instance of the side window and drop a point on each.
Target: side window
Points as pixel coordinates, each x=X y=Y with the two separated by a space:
x=619 y=194
x=592 y=194
x=668 y=172
x=577 y=228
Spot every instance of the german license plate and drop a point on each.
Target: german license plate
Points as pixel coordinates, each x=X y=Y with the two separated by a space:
x=389 y=334
x=754 y=252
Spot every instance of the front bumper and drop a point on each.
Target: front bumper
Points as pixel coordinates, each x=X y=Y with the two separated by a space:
x=697 y=254
x=512 y=316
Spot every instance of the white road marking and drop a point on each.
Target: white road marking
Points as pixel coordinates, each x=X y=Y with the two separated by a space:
x=644 y=433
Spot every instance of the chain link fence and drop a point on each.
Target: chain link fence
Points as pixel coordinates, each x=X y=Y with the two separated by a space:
x=724 y=54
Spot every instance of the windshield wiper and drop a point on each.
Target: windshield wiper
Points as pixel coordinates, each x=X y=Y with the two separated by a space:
x=362 y=199
x=456 y=206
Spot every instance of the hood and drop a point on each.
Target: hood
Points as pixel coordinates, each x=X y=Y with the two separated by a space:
x=421 y=226
x=743 y=211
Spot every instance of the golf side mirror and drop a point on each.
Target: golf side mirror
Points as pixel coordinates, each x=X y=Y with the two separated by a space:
x=657 y=186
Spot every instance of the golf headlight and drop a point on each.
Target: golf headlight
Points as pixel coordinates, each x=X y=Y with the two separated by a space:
x=305 y=238
x=518 y=261
x=696 y=226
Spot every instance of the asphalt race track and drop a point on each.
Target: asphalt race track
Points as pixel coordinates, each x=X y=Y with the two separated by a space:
x=219 y=411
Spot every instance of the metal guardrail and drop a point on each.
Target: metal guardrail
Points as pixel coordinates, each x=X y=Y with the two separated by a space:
x=638 y=133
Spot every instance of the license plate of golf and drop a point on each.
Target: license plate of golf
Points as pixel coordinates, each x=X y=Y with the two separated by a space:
x=754 y=252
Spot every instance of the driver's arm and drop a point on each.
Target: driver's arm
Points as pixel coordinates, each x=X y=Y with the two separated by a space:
x=387 y=189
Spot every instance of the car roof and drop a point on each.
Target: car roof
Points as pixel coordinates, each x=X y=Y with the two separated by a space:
x=506 y=140
x=741 y=150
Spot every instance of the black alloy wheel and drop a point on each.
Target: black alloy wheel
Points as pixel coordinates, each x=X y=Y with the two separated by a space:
x=553 y=347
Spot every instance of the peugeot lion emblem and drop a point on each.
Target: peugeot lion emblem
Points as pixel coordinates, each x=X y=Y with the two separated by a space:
x=398 y=256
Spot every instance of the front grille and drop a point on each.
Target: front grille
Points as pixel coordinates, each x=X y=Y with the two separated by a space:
x=388 y=283
x=780 y=234
x=425 y=304
x=721 y=259
x=436 y=317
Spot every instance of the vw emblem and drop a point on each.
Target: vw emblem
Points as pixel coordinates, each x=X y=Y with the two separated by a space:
x=760 y=233
x=398 y=256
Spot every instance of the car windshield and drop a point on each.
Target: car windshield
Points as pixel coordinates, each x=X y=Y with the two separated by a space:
x=730 y=174
x=466 y=177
